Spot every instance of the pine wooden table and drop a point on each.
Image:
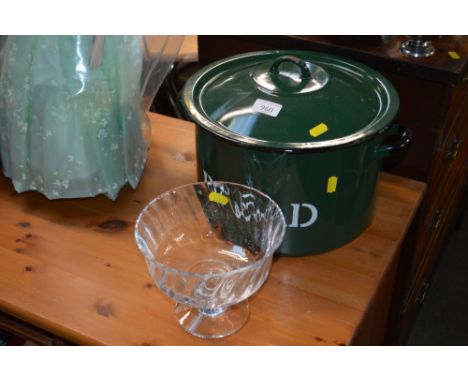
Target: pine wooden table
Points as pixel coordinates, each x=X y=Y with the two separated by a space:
x=71 y=267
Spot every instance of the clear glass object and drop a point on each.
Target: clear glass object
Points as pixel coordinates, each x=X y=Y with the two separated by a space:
x=209 y=246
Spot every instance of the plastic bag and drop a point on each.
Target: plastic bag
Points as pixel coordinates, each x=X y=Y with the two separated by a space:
x=73 y=110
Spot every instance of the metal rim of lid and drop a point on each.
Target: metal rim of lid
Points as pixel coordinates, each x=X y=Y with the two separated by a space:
x=383 y=118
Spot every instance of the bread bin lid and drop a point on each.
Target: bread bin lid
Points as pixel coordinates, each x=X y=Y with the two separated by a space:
x=290 y=100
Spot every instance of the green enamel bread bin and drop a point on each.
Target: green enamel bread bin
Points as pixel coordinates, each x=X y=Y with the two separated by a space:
x=309 y=129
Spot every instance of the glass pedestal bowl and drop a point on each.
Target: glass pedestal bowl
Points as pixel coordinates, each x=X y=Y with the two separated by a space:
x=209 y=246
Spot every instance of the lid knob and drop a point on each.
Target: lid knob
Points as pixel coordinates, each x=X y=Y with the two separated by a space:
x=280 y=76
x=275 y=72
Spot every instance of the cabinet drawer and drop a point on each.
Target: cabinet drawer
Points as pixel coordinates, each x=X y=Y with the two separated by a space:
x=452 y=151
x=421 y=283
x=444 y=185
x=437 y=225
x=455 y=116
x=414 y=302
x=26 y=331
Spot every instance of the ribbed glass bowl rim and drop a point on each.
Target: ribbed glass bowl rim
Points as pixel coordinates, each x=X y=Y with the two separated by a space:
x=215 y=274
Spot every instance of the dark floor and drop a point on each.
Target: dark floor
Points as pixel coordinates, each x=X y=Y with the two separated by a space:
x=443 y=319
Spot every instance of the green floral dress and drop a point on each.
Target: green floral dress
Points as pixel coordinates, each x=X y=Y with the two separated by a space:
x=68 y=129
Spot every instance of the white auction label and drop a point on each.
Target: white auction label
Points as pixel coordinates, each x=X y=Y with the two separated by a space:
x=266 y=107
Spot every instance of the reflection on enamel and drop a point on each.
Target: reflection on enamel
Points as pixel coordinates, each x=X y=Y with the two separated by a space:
x=235 y=113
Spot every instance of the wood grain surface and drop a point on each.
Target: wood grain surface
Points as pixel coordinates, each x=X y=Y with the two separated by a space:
x=189 y=50
x=71 y=267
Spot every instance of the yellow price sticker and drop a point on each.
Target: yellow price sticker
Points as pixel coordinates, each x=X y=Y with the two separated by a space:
x=320 y=129
x=454 y=55
x=218 y=198
x=331 y=185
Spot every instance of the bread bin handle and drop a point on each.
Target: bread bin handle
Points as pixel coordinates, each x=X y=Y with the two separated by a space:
x=404 y=136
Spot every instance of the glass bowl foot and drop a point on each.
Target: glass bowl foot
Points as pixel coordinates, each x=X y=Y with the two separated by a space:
x=212 y=323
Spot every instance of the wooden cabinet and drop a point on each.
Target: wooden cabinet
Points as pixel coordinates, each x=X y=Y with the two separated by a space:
x=70 y=269
x=434 y=104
